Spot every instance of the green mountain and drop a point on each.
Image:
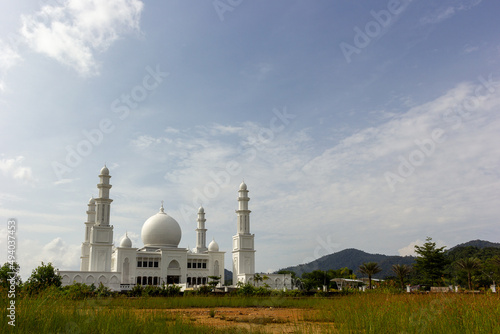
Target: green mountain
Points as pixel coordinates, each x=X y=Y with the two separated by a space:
x=479 y=244
x=352 y=259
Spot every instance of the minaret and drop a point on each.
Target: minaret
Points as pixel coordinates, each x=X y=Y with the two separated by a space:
x=201 y=232
x=101 y=233
x=84 y=265
x=103 y=202
x=243 y=241
x=243 y=212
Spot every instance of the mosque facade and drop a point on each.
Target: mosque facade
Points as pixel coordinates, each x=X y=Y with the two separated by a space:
x=161 y=260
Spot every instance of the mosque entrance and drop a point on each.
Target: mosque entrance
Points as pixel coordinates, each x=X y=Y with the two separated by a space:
x=172 y=279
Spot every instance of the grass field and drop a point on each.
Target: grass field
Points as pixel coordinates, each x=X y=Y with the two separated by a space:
x=356 y=313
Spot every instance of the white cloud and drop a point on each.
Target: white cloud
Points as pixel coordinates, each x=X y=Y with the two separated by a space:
x=74 y=31
x=14 y=168
x=258 y=71
x=57 y=252
x=31 y=253
x=446 y=12
x=470 y=48
x=410 y=249
x=8 y=56
x=65 y=181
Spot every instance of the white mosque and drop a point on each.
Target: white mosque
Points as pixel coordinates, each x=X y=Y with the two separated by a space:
x=161 y=261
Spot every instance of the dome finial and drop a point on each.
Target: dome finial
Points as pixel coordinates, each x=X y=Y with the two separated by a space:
x=161 y=209
x=126 y=242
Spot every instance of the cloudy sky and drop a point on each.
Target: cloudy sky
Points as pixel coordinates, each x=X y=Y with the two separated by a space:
x=355 y=124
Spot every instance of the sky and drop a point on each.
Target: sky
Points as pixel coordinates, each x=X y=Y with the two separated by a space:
x=355 y=124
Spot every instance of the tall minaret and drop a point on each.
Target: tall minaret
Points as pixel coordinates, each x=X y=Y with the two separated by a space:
x=101 y=233
x=201 y=232
x=103 y=202
x=84 y=265
x=243 y=241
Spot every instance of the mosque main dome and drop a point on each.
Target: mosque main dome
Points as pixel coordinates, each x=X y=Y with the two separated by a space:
x=161 y=230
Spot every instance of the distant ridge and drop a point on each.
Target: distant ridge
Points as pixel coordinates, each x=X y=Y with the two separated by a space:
x=479 y=244
x=353 y=258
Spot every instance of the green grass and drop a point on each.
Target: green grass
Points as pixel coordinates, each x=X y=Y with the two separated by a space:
x=402 y=313
x=356 y=313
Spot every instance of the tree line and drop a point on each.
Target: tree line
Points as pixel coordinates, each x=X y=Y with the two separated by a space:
x=470 y=267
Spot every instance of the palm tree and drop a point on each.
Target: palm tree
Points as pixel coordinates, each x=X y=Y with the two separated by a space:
x=469 y=265
x=370 y=268
x=401 y=271
x=256 y=279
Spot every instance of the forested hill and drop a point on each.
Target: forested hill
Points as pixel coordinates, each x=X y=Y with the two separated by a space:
x=479 y=244
x=352 y=259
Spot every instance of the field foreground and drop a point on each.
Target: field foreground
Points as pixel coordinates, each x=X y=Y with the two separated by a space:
x=356 y=313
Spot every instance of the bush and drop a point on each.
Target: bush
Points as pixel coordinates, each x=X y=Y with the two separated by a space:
x=42 y=278
x=136 y=291
x=170 y=290
x=204 y=290
x=78 y=291
x=246 y=290
x=103 y=291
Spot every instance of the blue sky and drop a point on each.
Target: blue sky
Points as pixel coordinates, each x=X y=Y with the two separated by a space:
x=367 y=124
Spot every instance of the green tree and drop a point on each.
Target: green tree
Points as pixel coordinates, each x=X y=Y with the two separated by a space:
x=469 y=265
x=430 y=262
x=214 y=280
x=256 y=279
x=9 y=271
x=41 y=278
x=401 y=271
x=370 y=269
x=315 y=279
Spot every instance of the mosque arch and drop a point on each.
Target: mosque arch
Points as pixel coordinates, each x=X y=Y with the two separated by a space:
x=102 y=279
x=65 y=279
x=89 y=280
x=174 y=264
x=78 y=279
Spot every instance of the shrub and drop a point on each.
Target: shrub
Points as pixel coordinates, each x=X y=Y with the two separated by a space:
x=136 y=291
x=41 y=278
x=78 y=291
x=246 y=290
x=103 y=291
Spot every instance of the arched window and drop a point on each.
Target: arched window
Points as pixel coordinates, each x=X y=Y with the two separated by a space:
x=174 y=265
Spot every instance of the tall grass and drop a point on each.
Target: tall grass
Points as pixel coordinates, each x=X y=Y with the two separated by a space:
x=356 y=313
x=45 y=314
x=431 y=313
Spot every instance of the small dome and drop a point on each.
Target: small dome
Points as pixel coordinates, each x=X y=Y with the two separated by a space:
x=161 y=230
x=92 y=200
x=213 y=246
x=201 y=210
x=104 y=170
x=126 y=242
x=243 y=186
